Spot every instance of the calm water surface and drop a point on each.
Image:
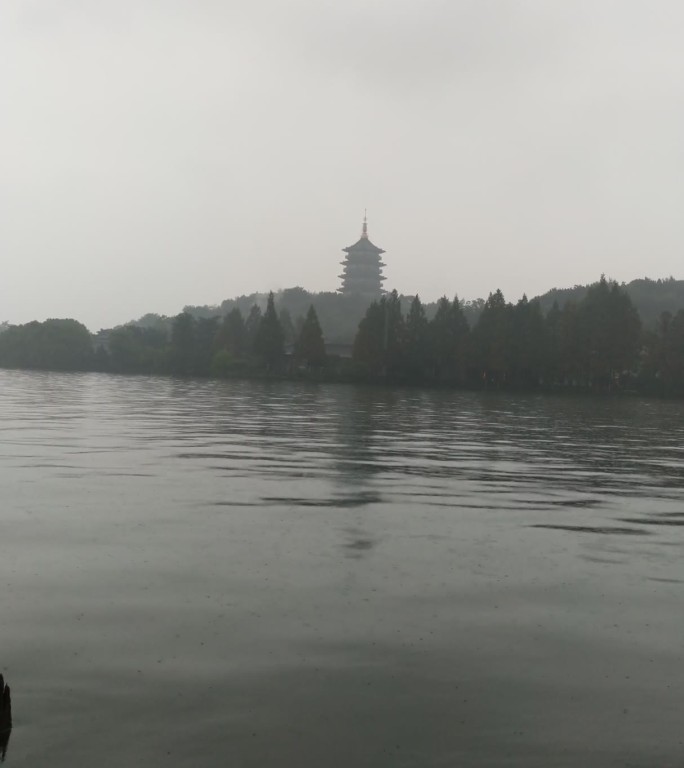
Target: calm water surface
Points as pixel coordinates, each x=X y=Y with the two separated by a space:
x=244 y=574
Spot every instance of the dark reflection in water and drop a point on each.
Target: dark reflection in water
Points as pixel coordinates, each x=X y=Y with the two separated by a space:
x=612 y=529
x=353 y=499
x=278 y=575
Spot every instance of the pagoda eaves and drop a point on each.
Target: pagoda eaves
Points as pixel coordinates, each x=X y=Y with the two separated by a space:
x=362 y=275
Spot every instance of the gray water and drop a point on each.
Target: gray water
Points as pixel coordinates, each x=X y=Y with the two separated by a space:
x=209 y=574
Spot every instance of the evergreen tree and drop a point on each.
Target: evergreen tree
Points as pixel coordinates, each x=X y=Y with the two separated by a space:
x=369 y=343
x=528 y=343
x=252 y=324
x=287 y=325
x=571 y=352
x=610 y=330
x=551 y=351
x=380 y=343
x=439 y=332
x=417 y=353
x=206 y=344
x=448 y=338
x=395 y=335
x=672 y=356
x=309 y=346
x=233 y=334
x=133 y=349
x=183 y=344
x=663 y=361
x=492 y=340
x=269 y=343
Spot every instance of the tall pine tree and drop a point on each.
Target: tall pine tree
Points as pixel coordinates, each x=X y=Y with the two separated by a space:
x=309 y=346
x=269 y=343
x=416 y=340
x=448 y=338
x=232 y=334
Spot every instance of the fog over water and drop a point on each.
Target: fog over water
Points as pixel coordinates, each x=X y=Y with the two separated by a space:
x=212 y=573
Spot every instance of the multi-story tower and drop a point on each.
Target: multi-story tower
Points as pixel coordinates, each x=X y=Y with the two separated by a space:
x=362 y=275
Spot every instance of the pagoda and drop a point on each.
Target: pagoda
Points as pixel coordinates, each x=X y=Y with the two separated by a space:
x=362 y=275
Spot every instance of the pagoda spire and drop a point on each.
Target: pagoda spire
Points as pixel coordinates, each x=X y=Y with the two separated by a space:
x=364 y=229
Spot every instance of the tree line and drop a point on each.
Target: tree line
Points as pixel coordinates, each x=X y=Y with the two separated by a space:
x=339 y=315
x=234 y=345
x=593 y=344
x=596 y=343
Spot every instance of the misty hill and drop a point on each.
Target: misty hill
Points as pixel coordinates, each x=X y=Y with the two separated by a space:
x=650 y=297
x=340 y=315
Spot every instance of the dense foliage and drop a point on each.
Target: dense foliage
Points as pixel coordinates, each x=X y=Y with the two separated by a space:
x=650 y=297
x=58 y=345
x=593 y=343
x=338 y=315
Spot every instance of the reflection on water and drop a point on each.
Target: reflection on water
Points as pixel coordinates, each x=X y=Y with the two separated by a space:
x=270 y=574
x=613 y=529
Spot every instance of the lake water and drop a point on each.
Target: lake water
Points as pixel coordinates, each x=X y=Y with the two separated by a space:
x=251 y=574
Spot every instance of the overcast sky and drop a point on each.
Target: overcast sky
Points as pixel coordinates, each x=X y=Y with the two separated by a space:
x=157 y=153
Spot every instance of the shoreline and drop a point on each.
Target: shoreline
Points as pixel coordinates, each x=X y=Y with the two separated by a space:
x=350 y=379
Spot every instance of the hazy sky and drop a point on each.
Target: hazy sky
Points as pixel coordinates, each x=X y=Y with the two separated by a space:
x=157 y=153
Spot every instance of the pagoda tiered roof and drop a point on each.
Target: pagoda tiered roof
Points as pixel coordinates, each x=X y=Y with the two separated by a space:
x=363 y=244
x=362 y=273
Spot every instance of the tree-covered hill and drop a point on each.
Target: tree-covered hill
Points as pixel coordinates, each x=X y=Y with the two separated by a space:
x=650 y=297
x=340 y=316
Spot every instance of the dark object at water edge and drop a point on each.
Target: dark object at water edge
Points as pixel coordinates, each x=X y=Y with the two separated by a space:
x=5 y=717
